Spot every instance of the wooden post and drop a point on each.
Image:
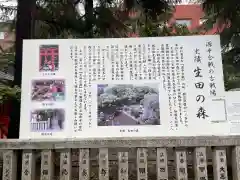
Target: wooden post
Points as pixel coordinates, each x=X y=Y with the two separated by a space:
x=47 y=165
x=220 y=164
x=181 y=164
x=103 y=164
x=236 y=162
x=65 y=164
x=142 y=173
x=84 y=164
x=123 y=166
x=200 y=163
x=9 y=165
x=162 y=164
x=28 y=165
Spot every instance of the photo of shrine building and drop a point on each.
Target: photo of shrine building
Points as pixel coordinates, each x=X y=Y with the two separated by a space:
x=189 y=14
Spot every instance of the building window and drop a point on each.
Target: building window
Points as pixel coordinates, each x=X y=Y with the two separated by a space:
x=186 y=22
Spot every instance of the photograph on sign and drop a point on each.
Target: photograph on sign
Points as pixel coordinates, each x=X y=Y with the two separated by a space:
x=49 y=58
x=48 y=90
x=45 y=120
x=128 y=105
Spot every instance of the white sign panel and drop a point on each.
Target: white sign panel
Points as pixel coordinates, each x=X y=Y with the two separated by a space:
x=232 y=99
x=163 y=86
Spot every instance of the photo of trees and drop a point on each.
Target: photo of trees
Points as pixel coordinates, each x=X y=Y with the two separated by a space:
x=126 y=104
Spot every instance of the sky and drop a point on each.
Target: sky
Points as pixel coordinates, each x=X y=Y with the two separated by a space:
x=14 y=3
x=8 y=3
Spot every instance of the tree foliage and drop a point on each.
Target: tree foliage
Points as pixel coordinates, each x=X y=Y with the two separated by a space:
x=7 y=89
x=139 y=101
x=123 y=94
x=61 y=19
x=153 y=30
x=225 y=17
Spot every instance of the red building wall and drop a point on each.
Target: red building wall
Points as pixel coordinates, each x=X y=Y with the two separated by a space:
x=192 y=12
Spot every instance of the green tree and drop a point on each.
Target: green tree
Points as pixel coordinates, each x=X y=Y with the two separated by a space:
x=61 y=19
x=153 y=30
x=225 y=16
x=7 y=90
x=7 y=57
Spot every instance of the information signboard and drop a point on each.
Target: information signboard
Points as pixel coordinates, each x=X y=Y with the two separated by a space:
x=125 y=87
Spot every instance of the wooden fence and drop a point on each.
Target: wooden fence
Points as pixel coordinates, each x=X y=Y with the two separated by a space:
x=224 y=158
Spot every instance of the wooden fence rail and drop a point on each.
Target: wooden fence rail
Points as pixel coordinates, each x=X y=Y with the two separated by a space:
x=224 y=165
